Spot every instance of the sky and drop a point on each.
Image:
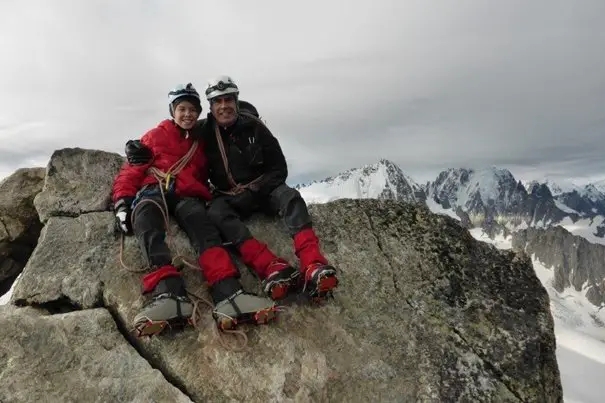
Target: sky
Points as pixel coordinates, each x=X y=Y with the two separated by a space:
x=427 y=85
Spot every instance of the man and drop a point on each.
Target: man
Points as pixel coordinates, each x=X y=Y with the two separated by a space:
x=249 y=171
x=170 y=176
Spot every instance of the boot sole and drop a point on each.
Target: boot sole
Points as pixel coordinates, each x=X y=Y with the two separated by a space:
x=261 y=317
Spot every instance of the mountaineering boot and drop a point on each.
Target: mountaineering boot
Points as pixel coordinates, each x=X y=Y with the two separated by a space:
x=234 y=306
x=320 y=280
x=282 y=279
x=169 y=305
x=319 y=277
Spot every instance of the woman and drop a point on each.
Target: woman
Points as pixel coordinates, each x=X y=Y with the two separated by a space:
x=174 y=182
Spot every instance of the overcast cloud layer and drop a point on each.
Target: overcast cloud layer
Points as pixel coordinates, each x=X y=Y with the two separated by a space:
x=429 y=85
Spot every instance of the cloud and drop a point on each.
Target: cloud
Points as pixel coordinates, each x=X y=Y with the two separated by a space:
x=341 y=84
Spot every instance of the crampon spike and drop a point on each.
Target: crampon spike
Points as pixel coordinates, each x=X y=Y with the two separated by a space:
x=227 y=323
x=261 y=317
x=151 y=328
x=326 y=284
x=279 y=291
x=265 y=316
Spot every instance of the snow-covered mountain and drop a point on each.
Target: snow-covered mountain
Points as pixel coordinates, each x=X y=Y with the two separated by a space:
x=493 y=197
x=584 y=207
x=485 y=195
x=465 y=187
x=490 y=199
x=584 y=201
x=383 y=180
x=556 y=187
x=599 y=185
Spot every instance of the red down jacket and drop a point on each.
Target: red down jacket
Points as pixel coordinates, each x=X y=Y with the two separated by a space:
x=168 y=145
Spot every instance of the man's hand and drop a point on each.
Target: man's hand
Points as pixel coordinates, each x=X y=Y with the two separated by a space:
x=123 y=214
x=137 y=153
x=254 y=187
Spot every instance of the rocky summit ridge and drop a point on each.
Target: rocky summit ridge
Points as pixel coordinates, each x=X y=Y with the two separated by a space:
x=424 y=312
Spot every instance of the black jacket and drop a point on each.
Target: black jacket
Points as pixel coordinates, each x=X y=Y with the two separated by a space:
x=251 y=150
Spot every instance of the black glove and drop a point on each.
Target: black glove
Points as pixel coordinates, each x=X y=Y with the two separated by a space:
x=137 y=153
x=123 y=214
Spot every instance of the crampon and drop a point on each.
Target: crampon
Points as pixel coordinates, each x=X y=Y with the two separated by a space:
x=262 y=317
x=320 y=283
x=148 y=327
x=279 y=284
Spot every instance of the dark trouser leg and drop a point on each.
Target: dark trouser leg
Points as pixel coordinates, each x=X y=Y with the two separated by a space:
x=214 y=260
x=225 y=212
x=291 y=207
x=150 y=229
x=191 y=215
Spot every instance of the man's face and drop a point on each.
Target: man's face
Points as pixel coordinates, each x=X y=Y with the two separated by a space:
x=224 y=110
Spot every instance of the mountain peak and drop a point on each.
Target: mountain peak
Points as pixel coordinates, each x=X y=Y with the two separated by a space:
x=474 y=189
x=565 y=190
x=380 y=180
x=386 y=162
x=561 y=186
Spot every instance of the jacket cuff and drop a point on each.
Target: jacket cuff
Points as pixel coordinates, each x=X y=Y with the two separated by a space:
x=124 y=201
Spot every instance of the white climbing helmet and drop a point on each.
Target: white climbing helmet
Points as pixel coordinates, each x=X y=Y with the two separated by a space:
x=182 y=91
x=221 y=85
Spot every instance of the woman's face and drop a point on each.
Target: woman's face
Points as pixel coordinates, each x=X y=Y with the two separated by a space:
x=185 y=115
